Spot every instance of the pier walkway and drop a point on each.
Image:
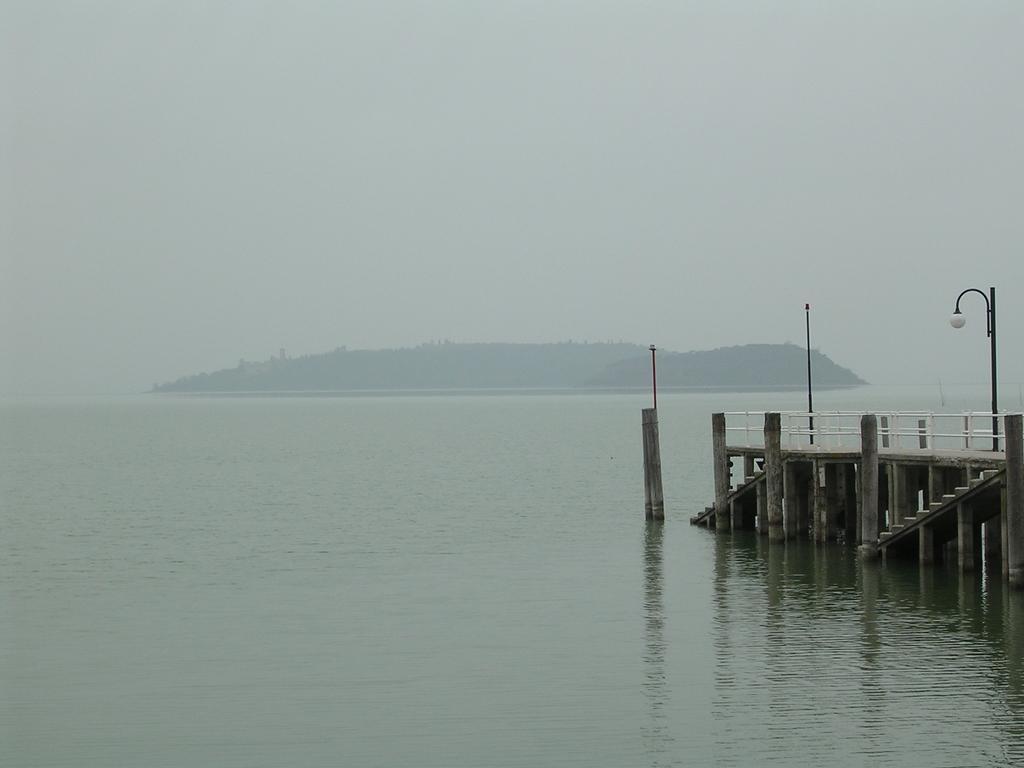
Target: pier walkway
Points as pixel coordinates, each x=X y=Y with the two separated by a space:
x=919 y=485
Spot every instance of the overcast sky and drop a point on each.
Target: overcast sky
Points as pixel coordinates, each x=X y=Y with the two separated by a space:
x=189 y=183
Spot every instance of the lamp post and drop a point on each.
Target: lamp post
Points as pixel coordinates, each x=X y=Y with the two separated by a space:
x=957 y=320
x=810 y=401
x=654 y=376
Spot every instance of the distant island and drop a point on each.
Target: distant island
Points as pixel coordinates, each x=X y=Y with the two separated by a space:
x=580 y=365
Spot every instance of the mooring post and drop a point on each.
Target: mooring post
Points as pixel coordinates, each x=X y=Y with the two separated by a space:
x=720 y=457
x=773 y=474
x=1014 y=437
x=654 y=500
x=868 y=485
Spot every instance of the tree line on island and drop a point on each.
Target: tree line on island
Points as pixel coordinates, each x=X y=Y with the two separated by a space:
x=440 y=366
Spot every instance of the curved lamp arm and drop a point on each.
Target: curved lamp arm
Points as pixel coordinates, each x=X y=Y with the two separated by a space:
x=988 y=308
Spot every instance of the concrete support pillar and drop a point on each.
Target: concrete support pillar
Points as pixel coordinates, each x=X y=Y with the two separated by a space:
x=993 y=536
x=790 y=492
x=869 y=485
x=720 y=459
x=773 y=474
x=926 y=545
x=850 y=510
x=762 y=509
x=905 y=487
x=819 y=494
x=736 y=515
x=805 y=500
x=1004 y=565
x=884 y=476
x=966 y=552
x=654 y=499
x=835 y=499
x=859 y=509
x=1015 y=499
x=936 y=484
x=748 y=466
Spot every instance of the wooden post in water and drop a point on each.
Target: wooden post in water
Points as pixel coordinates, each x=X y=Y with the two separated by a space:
x=654 y=500
x=1014 y=435
x=773 y=474
x=868 y=486
x=720 y=458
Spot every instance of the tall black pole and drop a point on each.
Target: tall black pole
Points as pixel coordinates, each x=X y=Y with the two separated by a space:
x=995 y=387
x=957 y=321
x=810 y=401
x=654 y=377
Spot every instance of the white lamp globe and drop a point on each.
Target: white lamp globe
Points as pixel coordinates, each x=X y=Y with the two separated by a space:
x=957 y=320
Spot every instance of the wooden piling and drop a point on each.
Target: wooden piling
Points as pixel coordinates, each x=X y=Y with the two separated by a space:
x=720 y=457
x=1014 y=439
x=654 y=500
x=869 y=486
x=773 y=474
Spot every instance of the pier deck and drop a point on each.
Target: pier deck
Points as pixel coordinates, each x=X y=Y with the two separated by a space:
x=932 y=500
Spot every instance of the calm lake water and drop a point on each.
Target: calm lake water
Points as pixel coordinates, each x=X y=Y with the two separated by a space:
x=458 y=581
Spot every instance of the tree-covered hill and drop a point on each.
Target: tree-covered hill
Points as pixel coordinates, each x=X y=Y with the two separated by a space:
x=752 y=366
x=512 y=366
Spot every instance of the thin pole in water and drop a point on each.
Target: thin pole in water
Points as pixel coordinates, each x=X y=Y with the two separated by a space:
x=810 y=401
x=654 y=376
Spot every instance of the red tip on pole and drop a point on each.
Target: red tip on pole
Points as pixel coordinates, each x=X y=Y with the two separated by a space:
x=807 y=307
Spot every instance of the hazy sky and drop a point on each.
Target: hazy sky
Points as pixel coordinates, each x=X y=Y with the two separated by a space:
x=188 y=183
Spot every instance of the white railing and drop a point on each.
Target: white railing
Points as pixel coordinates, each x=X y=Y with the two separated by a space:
x=924 y=430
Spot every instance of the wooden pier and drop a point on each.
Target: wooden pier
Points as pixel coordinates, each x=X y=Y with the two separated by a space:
x=894 y=485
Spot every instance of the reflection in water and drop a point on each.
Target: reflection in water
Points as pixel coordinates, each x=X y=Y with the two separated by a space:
x=656 y=736
x=822 y=658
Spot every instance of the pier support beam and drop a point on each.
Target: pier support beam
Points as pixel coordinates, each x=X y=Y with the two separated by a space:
x=762 y=509
x=992 y=533
x=926 y=545
x=773 y=474
x=720 y=458
x=790 y=492
x=850 y=510
x=869 y=486
x=965 y=538
x=654 y=499
x=1015 y=499
x=819 y=496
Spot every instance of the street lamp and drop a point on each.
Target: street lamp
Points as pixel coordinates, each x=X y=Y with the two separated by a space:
x=957 y=320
